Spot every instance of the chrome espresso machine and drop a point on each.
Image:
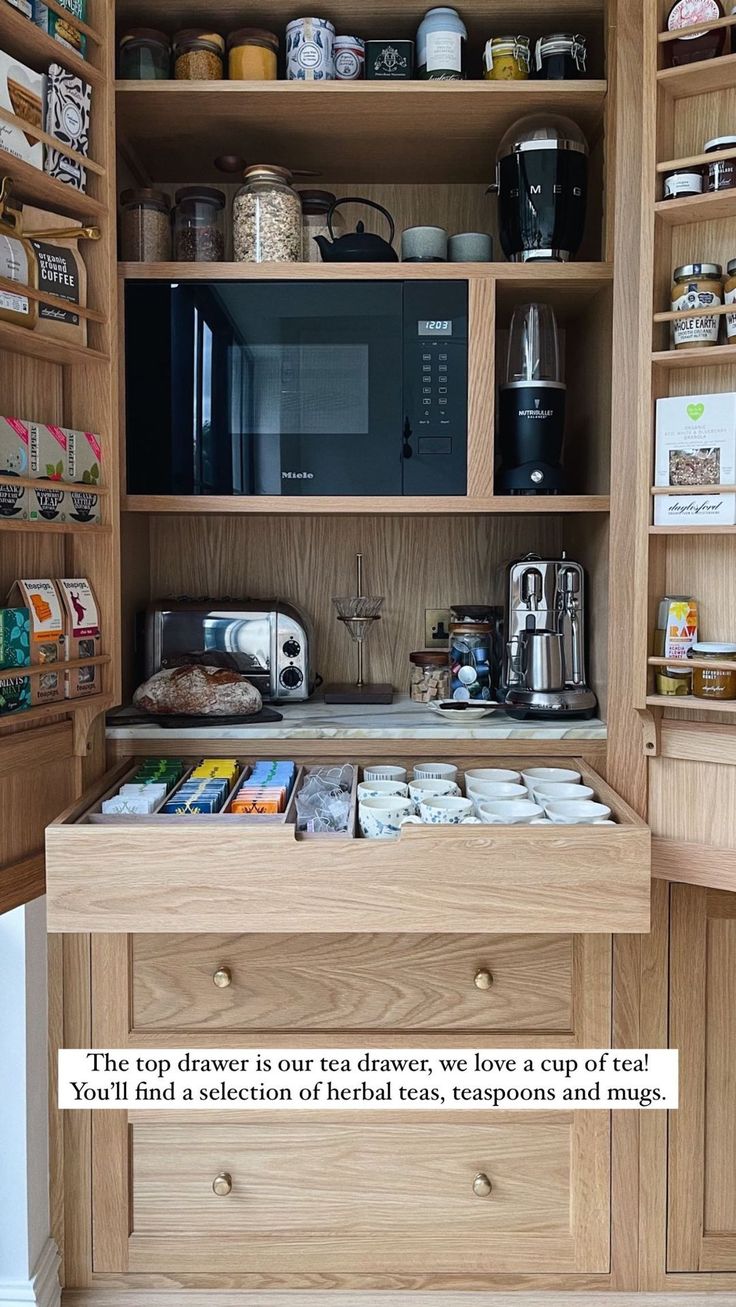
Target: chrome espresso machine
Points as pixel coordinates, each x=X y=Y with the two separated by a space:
x=544 y=663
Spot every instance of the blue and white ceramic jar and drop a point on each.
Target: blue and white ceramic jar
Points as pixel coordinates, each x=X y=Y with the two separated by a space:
x=441 y=38
x=310 y=50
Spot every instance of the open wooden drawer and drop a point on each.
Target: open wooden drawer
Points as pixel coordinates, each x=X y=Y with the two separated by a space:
x=220 y=874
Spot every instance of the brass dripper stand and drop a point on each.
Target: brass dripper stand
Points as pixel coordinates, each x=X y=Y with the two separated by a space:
x=358 y=613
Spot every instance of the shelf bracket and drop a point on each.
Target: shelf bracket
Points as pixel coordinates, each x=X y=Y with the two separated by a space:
x=651 y=721
x=81 y=725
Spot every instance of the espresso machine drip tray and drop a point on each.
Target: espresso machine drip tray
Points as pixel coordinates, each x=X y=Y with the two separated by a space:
x=524 y=705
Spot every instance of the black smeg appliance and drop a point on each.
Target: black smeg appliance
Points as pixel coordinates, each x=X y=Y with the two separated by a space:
x=296 y=387
x=542 y=181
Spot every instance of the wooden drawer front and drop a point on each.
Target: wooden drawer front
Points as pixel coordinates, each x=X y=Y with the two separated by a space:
x=370 y=1195
x=353 y=982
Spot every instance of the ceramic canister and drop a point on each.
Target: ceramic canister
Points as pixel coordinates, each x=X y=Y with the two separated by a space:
x=349 y=58
x=310 y=50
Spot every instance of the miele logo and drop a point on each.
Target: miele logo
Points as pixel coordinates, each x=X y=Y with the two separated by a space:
x=297 y=476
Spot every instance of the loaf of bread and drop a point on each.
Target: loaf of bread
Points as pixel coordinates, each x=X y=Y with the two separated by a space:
x=196 y=691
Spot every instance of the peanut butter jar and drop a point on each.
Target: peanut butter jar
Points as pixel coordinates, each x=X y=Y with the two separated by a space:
x=696 y=286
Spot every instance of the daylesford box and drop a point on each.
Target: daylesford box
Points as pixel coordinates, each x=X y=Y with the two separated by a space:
x=695 y=445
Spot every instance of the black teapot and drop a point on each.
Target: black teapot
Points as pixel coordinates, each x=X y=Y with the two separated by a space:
x=359 y=246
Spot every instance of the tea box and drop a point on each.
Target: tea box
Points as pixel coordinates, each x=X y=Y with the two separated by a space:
x=695 y=445
x=13 y=501
x=41 y=599
x=15 y=637
x=83 y=638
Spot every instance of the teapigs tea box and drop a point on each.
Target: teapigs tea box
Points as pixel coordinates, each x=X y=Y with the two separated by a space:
x=695 y=445
x=82 y=636
x=47 y=636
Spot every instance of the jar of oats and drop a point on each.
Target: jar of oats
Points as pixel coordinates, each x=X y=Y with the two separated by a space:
x=267 y=217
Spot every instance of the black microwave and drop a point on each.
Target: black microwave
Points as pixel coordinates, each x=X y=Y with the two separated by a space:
x=296 y=387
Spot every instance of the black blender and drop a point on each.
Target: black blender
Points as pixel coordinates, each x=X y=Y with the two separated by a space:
x=532 y=407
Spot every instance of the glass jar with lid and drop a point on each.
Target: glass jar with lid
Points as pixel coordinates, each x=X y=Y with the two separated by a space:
x=721 y=173
x=729 y=297
x=560 y=57
x=267 y=217
x=470 y=660
x=430 y=675
x=145 y=55
x=198 y=225
x=199 y=56
x=697 y=286
x=506 y=59
x=696 y=45
x=315 y=207
x=717 y=682
x=145 y=226
x=252 y=55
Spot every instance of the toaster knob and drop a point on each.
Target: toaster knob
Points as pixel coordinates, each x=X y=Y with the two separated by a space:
x=291 y=678
x=292 y=648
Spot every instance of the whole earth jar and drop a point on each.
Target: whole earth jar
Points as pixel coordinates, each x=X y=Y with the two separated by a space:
x=696 y=286
x=506 y=59
x=198 y=56
x=252 y=55
x=267 y=217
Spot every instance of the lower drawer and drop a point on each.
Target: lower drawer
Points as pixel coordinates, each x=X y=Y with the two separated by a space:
x=285 y=982
x=511 y=1192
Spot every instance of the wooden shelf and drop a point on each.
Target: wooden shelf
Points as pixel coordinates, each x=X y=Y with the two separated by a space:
x=65 y=707
x=44 y=483
x=20 y=340
x=692 y=530
x=703 y=356
x=406 y=132
x=690 y=703
x=705 y=664
x=713 y=26
x=700 y=78
x=56 y=528
x=34 y=187
x=358 y=504
x=697 y=208
x=40 y=669
x=696 y=160
x=21 y=37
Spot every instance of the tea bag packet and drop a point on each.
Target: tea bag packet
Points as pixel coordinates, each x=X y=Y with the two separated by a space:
x=83 y=638
x=68 y=102
x=266 y=790
x=130 y=804
x=167 y=771
x=47 y=638
x=197 y=797
x=153 y=790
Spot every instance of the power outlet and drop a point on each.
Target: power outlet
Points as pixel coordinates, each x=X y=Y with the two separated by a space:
x=436 y=627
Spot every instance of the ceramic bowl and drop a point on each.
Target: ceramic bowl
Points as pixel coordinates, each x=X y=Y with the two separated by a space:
x=543 y=792
x=576 y=812
x=447 y=811
x=435 y=771
x=382 y=818
x=420 y=790
x=481 y=790
x=551 y=776
x=384 y=772
x=509 y=812
x=379 y=789
x=485 y=774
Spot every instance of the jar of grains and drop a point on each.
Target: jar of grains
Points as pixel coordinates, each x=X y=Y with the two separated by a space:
x=198 y=225
x=430 y=675
x=199 y=56
x=267 y=217
x=252 y=55
x=145 y=227
x=698 y=287
x=315 y=207
x=145 y=55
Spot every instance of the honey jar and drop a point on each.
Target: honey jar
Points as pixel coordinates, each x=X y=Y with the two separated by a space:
x=714 y=682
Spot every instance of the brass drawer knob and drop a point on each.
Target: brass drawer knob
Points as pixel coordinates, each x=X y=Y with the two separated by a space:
x=222 y=1184
x=223 y=977
x=482 y=1185
x=483 y=979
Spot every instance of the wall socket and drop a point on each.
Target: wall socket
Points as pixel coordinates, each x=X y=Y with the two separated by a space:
x=436 y=627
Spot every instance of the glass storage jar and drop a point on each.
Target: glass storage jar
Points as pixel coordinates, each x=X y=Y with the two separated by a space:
x=715 y=682
x=560 y=57
x=145 y=226
x=682 y=181
x=696 y=45
x=267 y=217
x=506 y=59
x=198 y=225
x=470 y=660
x=430 y=675
x=721 y=173
x=252 y=55
x=729 y=297
x=315 y=207
x=145 y=55
x=198 y=56
x=697 y=286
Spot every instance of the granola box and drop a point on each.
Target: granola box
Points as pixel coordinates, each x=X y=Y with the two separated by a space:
x=82 y=636
x=46 y=636
x=22 y=93
x=695 y=445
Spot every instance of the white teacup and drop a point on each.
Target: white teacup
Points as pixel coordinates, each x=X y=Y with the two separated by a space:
x=387 y=771
x=382 y=817
x=381 y=789
x=480 y=790
x=551 y=775
x=576 y=812
x=435 y=771
x=543 y=792
x=491 y=775
x=420 y=790
x=509 y=812
x=446 y=811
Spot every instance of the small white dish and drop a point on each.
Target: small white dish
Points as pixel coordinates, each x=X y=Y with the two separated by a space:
x=435 y=771
x=381 y=771
x=543 y=792
x=490 y=774
x=576 y=812
x=458 y=711
x=509 y=812
x=551 y=775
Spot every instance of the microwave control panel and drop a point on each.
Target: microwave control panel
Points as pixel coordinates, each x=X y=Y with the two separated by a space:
x=436 y=385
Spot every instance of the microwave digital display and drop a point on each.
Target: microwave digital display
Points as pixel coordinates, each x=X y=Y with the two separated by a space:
x=435 y=327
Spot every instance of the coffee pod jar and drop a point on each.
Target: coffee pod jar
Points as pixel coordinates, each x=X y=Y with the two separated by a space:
x=506 y=59
x=267 y=217
x=199 y=56
x=697 y=286
x=721 y=173
x=429 y=676
x=198 y=225
x=145 y=226
x=470 y=661
x=424 y=245
x=715 y=682
x=560 y=57
x=441 y=40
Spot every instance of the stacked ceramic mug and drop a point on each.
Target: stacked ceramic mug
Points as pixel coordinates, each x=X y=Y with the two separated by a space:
x=537 y=796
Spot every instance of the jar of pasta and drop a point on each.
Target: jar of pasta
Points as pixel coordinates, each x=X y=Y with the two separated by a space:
x=698 y=287
x=506 y=59
x=198 y=56
x=252 y=55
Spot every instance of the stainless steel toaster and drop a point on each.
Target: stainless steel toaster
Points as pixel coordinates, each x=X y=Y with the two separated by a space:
x=268 y=640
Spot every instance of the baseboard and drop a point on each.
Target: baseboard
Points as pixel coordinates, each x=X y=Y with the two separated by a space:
x=388 y=1298
x=42 y=1289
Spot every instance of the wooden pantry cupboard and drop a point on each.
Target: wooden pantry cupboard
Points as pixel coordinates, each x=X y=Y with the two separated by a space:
x=238 y=940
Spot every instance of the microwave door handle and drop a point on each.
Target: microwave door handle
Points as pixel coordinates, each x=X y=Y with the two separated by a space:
x=406 y=449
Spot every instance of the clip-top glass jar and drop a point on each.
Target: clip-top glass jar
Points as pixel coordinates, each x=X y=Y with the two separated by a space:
x=506 y=59
x=145 y=55
x=198 y=56
x=560 y=57
x=267 y=217
x=198 y=225
x=145 y=226
x=430 y=675
x=252 y=55
x=697 y=286
x=315 y=207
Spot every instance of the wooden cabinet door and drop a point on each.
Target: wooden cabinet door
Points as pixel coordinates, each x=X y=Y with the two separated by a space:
x=702 y=1133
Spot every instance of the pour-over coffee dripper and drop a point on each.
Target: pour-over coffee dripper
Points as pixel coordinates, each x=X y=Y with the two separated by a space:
x=358 y=613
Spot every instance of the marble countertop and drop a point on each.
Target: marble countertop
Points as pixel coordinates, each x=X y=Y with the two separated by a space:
x=400 y=720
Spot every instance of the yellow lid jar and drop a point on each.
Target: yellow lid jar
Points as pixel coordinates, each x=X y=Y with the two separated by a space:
x=506 y=59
